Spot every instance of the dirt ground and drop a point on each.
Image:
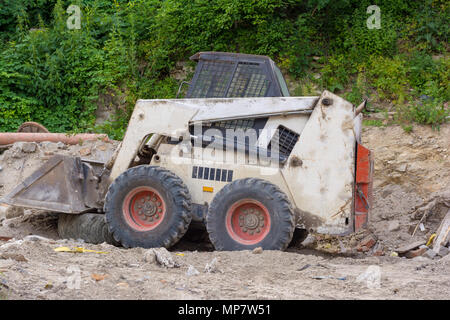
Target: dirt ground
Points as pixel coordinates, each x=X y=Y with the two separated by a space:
x=412 y=170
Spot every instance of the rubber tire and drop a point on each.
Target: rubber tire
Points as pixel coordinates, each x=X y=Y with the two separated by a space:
x=89 y=227
x=175 y=195
x=276 y=202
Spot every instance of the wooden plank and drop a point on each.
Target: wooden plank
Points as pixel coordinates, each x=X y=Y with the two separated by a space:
x=442 y=233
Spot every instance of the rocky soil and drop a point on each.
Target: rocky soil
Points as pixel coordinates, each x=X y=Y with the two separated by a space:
x=412 y=183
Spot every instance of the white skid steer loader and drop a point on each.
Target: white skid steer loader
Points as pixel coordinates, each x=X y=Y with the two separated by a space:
x=238 y=154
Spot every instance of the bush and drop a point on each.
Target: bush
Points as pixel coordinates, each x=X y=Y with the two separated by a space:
x=128 y=49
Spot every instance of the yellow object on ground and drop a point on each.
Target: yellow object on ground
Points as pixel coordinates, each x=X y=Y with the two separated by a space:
x=430 y=241
x=76 y=250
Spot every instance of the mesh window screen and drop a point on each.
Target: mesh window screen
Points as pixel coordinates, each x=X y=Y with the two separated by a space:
x=286 y=140
x=235 y=124
x=213 y=80
x=249 y=80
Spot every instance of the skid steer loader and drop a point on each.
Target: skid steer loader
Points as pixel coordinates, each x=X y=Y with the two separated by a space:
x=237 y=154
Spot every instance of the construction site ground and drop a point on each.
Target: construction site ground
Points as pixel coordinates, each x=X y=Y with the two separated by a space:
x=412 y=176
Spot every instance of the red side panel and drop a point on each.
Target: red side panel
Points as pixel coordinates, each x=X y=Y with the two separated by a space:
x=363 y=186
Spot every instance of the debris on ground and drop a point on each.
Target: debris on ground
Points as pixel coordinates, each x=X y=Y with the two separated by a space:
x=401 y=200
x=257 y=250
x=77 y=250
x=442 y=234
x=160 y=256
x=191 y=271
x=211 y=267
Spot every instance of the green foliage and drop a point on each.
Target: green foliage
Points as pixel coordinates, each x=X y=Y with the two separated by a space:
x=129 y=49
x=373 y=122
x=429 y=112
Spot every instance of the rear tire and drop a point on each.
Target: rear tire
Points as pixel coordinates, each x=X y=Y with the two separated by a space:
x=250 y=213
x=148 y=207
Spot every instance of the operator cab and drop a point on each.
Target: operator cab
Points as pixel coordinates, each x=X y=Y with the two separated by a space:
x=235 y=75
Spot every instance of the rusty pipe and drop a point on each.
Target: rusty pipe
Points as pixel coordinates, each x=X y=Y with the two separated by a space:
x=11 y=137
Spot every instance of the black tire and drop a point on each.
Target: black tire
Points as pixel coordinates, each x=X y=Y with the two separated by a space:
x=176 y=199
x=89 y=227
x=278 y=207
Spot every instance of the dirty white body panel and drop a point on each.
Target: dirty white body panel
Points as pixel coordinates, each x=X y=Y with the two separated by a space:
x=319 y=183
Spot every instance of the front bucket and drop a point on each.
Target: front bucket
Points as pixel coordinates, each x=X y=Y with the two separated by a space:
x=62 y=184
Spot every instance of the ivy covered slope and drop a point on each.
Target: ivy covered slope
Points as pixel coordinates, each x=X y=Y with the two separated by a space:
x=127 y=50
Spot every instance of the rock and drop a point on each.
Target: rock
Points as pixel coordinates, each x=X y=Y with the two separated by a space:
x=443 y=251
x=36 y=238
x=257 y=250
x=11 y=245
x=123 y=285
x=162 y=257
x=13 y=212
x=192 y=271
x=49 y=147
x=402 y=168
x=211 y=267
x=430 y=254
x=13 y=256
x=61 y=145
x=393 y=225
x=150 y=256
x=416 y=253
x=28 y=147
x=409 y=247
x=378 y=250
x=85 y=152
x=3 y=210
x=367 y=243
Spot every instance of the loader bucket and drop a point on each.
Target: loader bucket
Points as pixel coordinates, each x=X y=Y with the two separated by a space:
x=62 y=184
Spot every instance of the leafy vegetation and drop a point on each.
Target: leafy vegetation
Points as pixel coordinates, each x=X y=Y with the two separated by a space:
x=131 y=49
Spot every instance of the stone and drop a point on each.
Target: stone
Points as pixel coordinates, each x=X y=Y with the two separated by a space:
x=36 y=238
x=430 y=254
x=393 y=225
x=28 y=147
x=443 y=251
x=416 y=252
x=378 y=250
x=211 y=267
x=13 y=256
x=150 y=256
x=61 y=145
x=367 y=243
x=257 y=250
x=192 y=271
x=85 y=152
x=402 y=168
x=161 y=257
x=13 y=212
x=410 y=246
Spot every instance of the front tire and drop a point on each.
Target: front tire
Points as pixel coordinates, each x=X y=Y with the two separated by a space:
x=148 y=207
x=250 y=213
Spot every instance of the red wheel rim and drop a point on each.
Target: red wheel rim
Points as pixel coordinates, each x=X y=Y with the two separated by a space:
x=248 y=221
x=144 y=208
